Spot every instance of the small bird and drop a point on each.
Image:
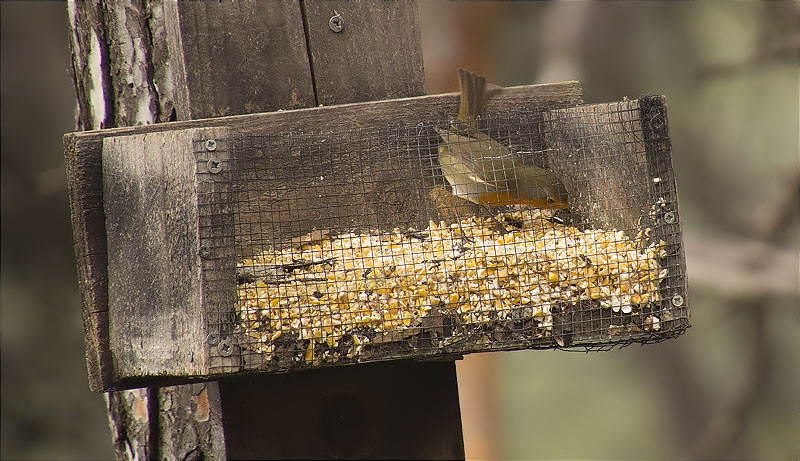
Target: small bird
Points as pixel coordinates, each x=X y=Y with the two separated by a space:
x=482 y=170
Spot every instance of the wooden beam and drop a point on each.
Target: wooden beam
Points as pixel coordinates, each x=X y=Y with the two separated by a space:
x=343 y=72
x=229 y=58
x=437 y=107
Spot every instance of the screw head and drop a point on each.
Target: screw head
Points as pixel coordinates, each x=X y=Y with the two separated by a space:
x=669 y=217
x=211 y=144
x=204 y=252
x=677 y=300
x=214 y=165
x=212 y=339
x=657 y=122
x=225 y=347
x=336 y=23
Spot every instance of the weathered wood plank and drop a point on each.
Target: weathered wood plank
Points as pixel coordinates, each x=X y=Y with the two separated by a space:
x=156 y=314
x=361 y=115
x=85 y=188
x=376 y=55
x=600 y=139
x=655 y=134
x=237 y=57
x=615 y=160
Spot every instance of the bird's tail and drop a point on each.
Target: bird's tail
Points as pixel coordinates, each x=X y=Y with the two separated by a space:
x=474 y=93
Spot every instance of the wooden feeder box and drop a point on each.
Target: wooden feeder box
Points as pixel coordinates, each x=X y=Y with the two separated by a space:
x=318 y=237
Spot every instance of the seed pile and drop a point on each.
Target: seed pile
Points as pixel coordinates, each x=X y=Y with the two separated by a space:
x=359 y=286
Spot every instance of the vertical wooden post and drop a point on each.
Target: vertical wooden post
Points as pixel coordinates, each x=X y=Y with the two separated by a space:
x=145 y=62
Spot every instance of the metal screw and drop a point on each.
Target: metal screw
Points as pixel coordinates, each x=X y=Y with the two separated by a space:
x=204 y=252
x=677 y=300
x=669 y=217
x=657 y=122
x=225 y=347
x=211 y=144
x=654 y=111
x=212 y=339
x=336 y=22
x=214 y=165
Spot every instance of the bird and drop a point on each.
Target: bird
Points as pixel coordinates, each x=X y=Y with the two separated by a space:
x=482 y=170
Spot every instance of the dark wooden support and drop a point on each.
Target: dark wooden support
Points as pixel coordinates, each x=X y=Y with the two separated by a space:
x=397 y=410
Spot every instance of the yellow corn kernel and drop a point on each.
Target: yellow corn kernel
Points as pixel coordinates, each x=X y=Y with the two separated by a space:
x=310 y=352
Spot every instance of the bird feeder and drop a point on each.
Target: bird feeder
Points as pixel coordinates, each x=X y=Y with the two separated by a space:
x=322 y=237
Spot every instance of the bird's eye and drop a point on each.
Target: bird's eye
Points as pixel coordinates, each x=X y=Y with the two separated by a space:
x=551 y=200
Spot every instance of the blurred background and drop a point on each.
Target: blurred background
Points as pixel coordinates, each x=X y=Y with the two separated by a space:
x=728 y=388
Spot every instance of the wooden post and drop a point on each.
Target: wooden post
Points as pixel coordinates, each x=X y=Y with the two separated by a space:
x=145 y=62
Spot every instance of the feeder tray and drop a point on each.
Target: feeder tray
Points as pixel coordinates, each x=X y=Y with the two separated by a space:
x=248 y=249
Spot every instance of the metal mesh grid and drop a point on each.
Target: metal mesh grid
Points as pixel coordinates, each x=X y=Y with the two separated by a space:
x=423 y=240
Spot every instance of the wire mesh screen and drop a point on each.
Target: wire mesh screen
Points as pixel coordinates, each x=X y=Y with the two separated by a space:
x=526 y=230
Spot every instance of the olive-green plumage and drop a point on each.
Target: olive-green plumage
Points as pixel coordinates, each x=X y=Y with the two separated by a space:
x=482 y=170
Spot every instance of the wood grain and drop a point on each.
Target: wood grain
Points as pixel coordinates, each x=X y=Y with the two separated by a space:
x=615 y=160
x=156 y=314
x=85 y=188
x=361 y=115
x=237 y=57
x=655 y=135
x=343 y=71
x=599 y=152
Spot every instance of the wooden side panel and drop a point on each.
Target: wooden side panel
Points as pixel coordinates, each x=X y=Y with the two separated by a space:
x=376 y=55
x=655 y=130
x=156 y=319
x=615 y=160
x=237 y=57
x=586 y=144
x=85 y=187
